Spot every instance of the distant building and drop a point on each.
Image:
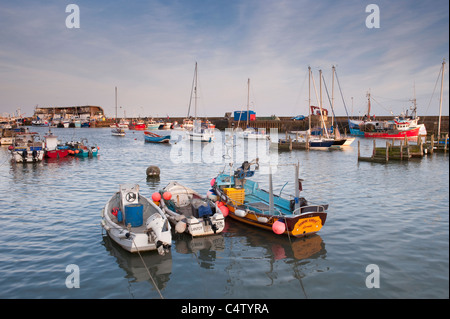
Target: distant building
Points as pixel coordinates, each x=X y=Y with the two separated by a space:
x=86 y=112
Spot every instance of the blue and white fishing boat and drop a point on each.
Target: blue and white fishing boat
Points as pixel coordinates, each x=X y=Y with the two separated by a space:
x=151 y=137
x=249 y=204
x=82 y=149
x=27 y=147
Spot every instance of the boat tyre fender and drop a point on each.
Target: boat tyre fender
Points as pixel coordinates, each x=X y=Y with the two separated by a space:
x=24 y=154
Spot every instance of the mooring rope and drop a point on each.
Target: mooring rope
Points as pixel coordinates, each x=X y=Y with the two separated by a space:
x=148 y=271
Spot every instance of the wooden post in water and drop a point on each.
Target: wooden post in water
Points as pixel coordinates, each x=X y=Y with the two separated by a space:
x=387 y=151
x=374 y=147
x=432 y=144
x=420 y=142
x=445 y=142
x=401 y=150
x=359 y=154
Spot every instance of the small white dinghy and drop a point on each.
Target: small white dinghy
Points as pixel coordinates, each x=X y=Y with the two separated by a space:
x=124 y=216
x=190 y=212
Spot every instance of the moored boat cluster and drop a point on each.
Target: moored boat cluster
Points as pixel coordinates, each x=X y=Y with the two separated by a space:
x=138 y=224
x=28 y=147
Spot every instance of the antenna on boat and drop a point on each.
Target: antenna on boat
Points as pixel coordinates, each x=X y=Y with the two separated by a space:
x=440 y=100
x=297 y=186
x=271 y=206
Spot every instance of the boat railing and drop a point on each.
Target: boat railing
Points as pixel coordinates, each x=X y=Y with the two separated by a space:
x=309 y=209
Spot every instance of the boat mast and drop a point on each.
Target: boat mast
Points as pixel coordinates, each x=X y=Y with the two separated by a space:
x=271 y=203
x=297 y=189
x=332 y=96
x=195 y=91
x=248 y=100
x=116 y=105
x=414 y=108
x=440 y=100
x=309 y=97
x=320 y=104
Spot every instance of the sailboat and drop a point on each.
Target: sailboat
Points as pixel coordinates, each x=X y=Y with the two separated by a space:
x=307 y=139
x=202 y=132
x=317 y=141
x=116 y=129
x=338 y=139
x=250 y=132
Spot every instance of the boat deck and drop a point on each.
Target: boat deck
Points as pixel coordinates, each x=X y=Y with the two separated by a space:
x=147 y=212
x=255 y=203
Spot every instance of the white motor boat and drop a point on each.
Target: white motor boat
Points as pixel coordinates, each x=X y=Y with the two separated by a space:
x=135 y=222
x=190 y=212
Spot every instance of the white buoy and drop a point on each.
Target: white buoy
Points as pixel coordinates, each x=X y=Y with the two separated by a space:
x=263 y=219
x=180 y=227
x=240 y=213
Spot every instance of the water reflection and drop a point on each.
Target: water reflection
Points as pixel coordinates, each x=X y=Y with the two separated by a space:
x=203 y=248
x=160 y=267
x=153 y=182
x=278 y=247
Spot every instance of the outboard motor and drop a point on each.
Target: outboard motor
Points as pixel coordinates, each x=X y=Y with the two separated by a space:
x=160 y=230
x=35 y=155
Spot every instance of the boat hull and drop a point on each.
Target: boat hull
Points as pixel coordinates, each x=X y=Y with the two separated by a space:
x=394 y=134
x=138 y=127
x=87 y=153
x=200 y=137
x=156 y=138
x=321 y=143
x=29 y=155
x=57 y=153
x=297 y=226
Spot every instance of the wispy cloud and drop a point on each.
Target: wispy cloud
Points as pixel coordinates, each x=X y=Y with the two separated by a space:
x=148 y=49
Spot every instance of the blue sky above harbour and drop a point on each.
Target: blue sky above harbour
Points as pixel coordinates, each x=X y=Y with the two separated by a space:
x=148 y=49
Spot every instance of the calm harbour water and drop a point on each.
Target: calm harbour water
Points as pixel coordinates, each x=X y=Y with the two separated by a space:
x=394 y=216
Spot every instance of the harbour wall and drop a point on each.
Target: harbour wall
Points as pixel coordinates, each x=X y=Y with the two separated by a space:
x=284 y=124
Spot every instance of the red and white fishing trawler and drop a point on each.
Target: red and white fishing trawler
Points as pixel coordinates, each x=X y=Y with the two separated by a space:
x=390 y=130
x=137 y=126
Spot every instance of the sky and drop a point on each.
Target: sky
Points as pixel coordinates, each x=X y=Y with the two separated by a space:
x=148 y=50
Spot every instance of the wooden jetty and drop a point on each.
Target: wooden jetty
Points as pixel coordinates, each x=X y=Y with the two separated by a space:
x=441 y=144
x=289 y=144
x=403 y=152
